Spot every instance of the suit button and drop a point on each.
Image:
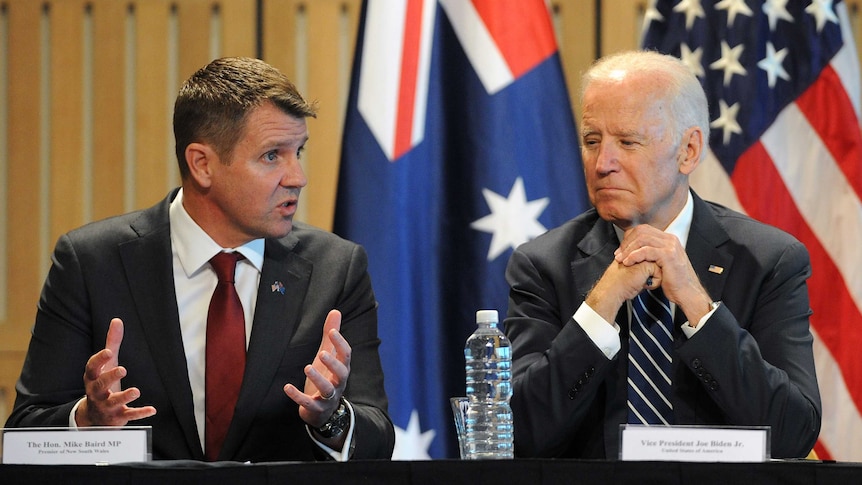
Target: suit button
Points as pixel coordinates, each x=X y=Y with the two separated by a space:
x=573 y=393
x=713 y=385
x=696 y=363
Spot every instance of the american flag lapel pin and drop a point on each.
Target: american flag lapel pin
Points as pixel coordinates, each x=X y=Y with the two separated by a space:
x=278 y=287
x=716 y=269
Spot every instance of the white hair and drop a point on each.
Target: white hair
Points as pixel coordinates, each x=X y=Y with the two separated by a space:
x=684 y=93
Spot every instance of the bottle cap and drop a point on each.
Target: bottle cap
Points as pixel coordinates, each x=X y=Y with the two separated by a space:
x=485 y=316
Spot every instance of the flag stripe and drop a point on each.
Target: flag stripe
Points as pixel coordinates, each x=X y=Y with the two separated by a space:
x=842 y=424
x=409 y=68
x=478 y=44
x=712 y=182
x=429 y=13
x=380 y=77
x=846 y=63
x=828 y=108
x=523 y=34
x=820 y=191
x=377 y=91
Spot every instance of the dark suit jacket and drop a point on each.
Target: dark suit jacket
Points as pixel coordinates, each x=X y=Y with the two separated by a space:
x=752 y=363
x=121 y=267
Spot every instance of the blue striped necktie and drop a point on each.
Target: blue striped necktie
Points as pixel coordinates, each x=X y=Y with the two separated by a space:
x=650 y=351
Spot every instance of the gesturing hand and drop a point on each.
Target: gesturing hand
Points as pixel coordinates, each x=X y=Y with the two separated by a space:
x=106 y=404
x=326 y=376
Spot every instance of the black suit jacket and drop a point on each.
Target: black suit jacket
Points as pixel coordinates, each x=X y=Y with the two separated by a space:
x=121 y=267
x=752 y=363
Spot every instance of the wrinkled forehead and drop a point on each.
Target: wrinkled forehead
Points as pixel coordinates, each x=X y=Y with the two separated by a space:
x=645 y=82
x=625 y=101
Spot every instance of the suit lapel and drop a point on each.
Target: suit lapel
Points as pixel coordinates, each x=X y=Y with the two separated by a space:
x=283 y=286
x=705 y=238
x=147 y=261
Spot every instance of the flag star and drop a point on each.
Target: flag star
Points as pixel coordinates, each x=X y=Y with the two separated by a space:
x=692 y=9
x=822 y=12
x=692 y=59
x=772 y=64
x=727 y=121
x=411 y=443
x=733 y=8
x=512 y=221
x=651 y=14
x=729 y=62
x=776 y=10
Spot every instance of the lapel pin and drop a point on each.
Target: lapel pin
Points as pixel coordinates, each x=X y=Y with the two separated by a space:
x=716 y=269
x=278 y=286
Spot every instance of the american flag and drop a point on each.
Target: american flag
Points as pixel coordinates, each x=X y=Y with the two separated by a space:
x=459 y=144
x=782 y=79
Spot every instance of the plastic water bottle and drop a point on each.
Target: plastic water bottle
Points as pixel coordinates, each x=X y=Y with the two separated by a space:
x=488 y=357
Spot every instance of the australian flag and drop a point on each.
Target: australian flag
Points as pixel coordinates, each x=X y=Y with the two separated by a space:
x=459 y=145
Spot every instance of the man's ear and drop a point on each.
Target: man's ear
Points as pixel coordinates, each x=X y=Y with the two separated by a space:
x=690 y=150
x=200 y=159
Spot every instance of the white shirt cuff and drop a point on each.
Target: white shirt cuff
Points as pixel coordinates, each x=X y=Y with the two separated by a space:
x=689 y=331
x=72 y=423
x=604 y=334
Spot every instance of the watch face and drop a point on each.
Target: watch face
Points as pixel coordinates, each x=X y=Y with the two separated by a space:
x=337 y=422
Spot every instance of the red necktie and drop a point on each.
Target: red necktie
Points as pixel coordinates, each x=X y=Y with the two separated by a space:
x=225 y=353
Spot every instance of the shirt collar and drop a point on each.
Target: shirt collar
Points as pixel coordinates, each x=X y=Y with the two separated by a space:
x=679 y=227
x=194 y=247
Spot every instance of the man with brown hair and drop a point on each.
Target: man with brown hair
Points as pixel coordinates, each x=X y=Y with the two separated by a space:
x=126 y=303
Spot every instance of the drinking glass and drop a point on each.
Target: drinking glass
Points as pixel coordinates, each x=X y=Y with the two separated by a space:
x=460 y=405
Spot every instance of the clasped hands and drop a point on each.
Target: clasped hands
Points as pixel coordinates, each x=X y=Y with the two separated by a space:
x=106 y=404
x=648 y=258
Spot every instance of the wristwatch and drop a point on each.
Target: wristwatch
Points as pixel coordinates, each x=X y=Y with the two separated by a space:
x=337 y=424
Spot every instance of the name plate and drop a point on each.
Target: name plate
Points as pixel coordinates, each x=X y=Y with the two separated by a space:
x=81 y=446
x=694 y=443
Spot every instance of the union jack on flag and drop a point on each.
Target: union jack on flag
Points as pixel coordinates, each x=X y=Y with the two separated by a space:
x=782 y=79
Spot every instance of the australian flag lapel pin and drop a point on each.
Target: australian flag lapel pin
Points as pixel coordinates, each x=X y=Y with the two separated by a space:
x=278 y=287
